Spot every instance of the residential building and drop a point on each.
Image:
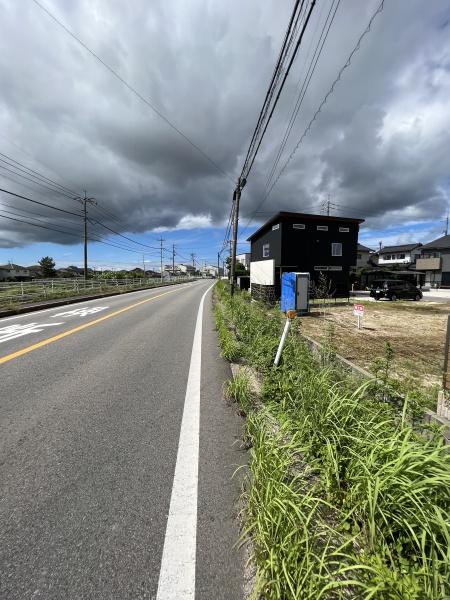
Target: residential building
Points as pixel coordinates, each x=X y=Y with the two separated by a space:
x=187 y=269
x=363 y=256
x=12 y=272
x=303 y=243
x=405 y=254
x=435 y=262
x=244 y=259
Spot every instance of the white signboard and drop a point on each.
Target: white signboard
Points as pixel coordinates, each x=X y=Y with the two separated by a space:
x=358 y=310
x=262 y=272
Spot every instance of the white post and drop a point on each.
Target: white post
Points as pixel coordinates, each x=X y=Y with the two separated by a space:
x=359 y=321
x=282 y=341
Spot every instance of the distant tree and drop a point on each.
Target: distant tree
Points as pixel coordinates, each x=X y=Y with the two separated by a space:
x=47 y=265
x=239 y=270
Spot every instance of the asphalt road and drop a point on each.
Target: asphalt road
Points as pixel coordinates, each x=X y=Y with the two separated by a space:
x=101 y=495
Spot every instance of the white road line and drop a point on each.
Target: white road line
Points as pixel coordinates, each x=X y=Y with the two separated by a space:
x=177 y=575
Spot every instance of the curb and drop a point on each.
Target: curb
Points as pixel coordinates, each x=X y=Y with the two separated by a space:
x=73 y=300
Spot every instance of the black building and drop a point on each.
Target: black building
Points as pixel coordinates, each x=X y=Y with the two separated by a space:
x=307 y=243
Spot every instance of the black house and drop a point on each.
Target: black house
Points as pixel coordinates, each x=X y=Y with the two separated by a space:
x=306 y=243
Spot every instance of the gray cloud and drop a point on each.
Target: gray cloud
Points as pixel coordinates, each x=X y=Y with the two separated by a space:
x=380 y=147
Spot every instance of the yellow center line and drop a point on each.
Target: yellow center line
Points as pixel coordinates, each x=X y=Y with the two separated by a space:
x=60 y=336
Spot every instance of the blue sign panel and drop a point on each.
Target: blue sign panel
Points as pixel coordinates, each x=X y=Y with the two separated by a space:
x=288 y=291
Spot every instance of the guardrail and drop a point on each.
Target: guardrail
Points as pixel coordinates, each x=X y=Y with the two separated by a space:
x=21 y=292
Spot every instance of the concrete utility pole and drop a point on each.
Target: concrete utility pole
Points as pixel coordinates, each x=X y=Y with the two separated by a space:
x=173 y=260
x=161 y=242
x=446 y=225
x=236 y=197
x=218 y=265
x=143 y=264
x=85 y=202
x=193 y=260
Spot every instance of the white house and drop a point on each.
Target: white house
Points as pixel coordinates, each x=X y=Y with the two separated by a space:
x=404 y=254
x=244 y=259
x=13 y=272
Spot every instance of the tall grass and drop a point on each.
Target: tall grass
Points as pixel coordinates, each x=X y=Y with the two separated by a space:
x=345 y=499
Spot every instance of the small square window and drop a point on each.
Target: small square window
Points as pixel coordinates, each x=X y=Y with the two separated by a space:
x=298 y=226
x=274 y=227
x=401 y=256
x=344 y=229
x=336 y=249
x=322 y=227
x=266 y=250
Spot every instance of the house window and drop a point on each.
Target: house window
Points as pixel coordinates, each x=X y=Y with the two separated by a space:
x=387 y=257
x=266 y=248
x=322 y=227
x=344 y=229
x=298 y=226
x=274 y=227
x=401 y=256
x=336 y=249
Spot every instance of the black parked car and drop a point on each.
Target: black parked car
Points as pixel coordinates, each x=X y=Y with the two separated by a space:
x=394 y=289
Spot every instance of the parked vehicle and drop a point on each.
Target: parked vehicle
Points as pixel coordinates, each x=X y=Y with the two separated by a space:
x=394 y=289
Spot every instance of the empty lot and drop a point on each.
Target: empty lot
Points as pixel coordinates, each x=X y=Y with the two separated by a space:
x=415 y=330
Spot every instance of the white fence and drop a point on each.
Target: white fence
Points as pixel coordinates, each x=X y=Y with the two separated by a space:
x=19 y=292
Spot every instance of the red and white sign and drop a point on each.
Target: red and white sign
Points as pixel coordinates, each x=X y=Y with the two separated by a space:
x=358 y=310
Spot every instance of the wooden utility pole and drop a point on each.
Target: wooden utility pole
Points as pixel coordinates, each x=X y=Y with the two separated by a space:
x=236 y=198
x=161 y=242
x=85 y=200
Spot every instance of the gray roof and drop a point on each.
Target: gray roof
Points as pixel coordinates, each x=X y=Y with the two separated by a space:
x=282 y=215
x=401 y=248
x=442 y=242
x=362 y=248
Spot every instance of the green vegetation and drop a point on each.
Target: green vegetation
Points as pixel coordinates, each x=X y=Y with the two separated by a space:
x=47 y=265
x=14 y=296
x=345 y=499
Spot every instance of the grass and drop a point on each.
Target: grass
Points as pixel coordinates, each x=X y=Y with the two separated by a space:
x=7 y=303
x=345 y=498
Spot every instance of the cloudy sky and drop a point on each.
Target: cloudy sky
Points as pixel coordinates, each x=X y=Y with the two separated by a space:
x=380 y=148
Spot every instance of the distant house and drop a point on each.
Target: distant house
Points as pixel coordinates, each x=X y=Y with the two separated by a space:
x=12 y=272
x=405 y=254
x=363 y=256
x=187 y=269
x=304 y=243
x=435 y=262
x=244 y=259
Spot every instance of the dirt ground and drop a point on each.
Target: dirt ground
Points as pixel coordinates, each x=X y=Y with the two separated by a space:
x=415 y=330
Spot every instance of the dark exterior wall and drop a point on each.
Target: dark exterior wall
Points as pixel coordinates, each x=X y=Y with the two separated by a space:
x=305 y=249
x=269 y=237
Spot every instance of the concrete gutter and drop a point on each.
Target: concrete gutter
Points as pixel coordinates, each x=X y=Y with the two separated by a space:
x=27 y=308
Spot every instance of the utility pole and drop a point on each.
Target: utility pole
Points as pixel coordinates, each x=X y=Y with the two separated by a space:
x=236 y=197
x=84 y=201
x=161 y=242
x=143 y=264
x=218 y=265
x=446 y=225
x=193 y=260
x=173 y=260
x=328 y=206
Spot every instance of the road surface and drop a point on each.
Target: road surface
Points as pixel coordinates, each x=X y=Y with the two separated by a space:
x=117 y=452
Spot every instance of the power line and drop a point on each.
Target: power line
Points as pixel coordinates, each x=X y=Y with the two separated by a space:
x=325 y=99
x=121 y=235
x=133 y=90
x=41 y=203
x=34 y=182
x=43 y=177
x=79 y=235
x=304 y=88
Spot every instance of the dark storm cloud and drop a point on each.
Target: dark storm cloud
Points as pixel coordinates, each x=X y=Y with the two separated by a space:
x=379 y=148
